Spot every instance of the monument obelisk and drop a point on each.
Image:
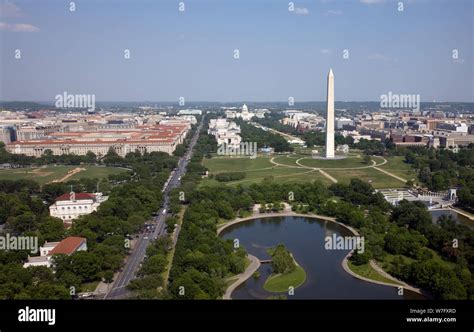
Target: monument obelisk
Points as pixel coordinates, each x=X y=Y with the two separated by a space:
x=330 y=117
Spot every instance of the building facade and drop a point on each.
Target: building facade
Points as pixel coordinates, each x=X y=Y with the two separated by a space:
x=156 y=138
x=70 y=206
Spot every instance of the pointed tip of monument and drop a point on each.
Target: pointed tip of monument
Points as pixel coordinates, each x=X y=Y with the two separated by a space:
x=330 y=72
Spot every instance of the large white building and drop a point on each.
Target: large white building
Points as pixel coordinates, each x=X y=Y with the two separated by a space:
x=225 y=132
x=245 y=115
x=70 y=206
x=190 y=112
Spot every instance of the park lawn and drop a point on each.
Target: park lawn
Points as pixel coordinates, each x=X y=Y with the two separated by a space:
x=305 y=151
x=235 y=164
x=97 y=172
x=349 y=162
x=288 y=160
x=279 y=174
x=89 y=287
x=398 y=166
x=376 y=178
x=365 y=270
x=280 y=283
x=44 y=175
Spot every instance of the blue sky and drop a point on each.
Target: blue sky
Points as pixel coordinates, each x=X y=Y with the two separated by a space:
x=282 y=54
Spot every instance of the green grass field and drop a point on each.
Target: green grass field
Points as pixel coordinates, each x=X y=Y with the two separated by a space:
x=97 y=172
x=349 y=162
x=257 y=170
x=287 y=171
x=281 y=282
x=365 y=270
x=377 y=179
x=44 y=175
x=234 y=164
x=399 y=167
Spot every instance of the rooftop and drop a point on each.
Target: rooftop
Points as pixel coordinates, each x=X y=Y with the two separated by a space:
x=68 y=246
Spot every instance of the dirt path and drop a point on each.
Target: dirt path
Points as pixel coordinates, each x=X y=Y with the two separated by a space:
x=390 y=174
x=69 y=174
x=327 y=176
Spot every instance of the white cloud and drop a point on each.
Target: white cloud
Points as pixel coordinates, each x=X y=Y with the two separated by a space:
x=333 y=12
x=301 y=11
x=326 y=51
x=371 y=2
x=18 y=27
x=9 y=9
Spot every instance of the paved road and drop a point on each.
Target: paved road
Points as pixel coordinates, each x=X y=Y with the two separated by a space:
x=137 y=255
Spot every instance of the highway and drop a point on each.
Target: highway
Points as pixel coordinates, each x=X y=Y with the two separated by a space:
x=134 y=260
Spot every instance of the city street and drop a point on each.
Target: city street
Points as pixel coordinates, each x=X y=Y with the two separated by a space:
x=134 y=260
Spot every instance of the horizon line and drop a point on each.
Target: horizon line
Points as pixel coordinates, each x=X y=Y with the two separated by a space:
x=229 y=102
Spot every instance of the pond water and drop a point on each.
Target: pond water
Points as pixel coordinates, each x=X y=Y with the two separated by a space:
x=304 y=238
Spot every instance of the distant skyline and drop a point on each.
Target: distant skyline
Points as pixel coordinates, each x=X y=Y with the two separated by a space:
x=190 y=54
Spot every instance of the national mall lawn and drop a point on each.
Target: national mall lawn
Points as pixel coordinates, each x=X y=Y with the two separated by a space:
x=300 y=168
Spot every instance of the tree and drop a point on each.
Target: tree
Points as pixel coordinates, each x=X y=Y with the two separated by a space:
x=412 y=214
x=367 y=159
x=170 y=224
x=282 y=262
x=360 y=259
x=51 y=229
x=91 y=157
x=86 y=265
x=153 y=265
x=179 y=151
x=108 y=276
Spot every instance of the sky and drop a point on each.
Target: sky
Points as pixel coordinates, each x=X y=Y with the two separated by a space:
x=191 y=54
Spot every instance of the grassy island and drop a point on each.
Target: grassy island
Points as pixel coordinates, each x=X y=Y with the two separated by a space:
x=286 y=272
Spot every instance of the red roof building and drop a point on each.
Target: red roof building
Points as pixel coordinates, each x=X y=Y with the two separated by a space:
x=77 y=197
x=69 y=246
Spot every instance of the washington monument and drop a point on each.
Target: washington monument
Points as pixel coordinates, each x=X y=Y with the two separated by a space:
x=330 y=117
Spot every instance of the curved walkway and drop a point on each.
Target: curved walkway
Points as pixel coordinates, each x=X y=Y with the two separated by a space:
x=241 y=278
x=382 y=272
